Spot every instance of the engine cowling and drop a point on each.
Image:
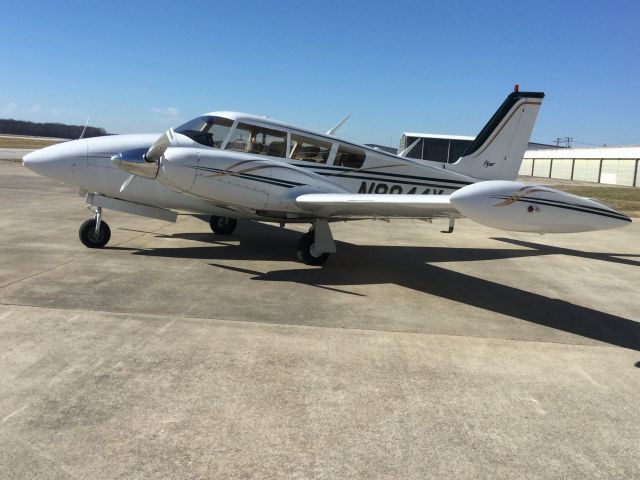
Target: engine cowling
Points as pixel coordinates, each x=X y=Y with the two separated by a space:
x=522 y=207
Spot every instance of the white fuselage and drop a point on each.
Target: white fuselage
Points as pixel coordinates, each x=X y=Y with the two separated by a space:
x=203 y=179
x=228 y=164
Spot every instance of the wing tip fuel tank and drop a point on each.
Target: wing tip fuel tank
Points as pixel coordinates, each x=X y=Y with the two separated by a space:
x=521 y=207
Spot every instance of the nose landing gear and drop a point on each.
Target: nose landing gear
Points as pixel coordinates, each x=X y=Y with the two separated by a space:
x=95 y=233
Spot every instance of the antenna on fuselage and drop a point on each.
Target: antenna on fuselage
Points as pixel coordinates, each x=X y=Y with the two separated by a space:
x=335 y=128
x=404 y=152
x=85 y=127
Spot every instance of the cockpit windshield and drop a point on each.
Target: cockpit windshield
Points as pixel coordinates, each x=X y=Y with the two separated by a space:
x=206 y=130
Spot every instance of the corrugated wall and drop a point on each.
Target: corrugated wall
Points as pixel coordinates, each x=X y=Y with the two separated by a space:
x=561 y=168
x=586 y=170
x=617 y=172
x=611 y=171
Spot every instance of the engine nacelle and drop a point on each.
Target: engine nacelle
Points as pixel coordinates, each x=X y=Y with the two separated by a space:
x=522 y=207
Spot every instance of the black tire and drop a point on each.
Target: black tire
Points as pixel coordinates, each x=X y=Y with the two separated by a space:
x=304 y=250
x=88 y=235
x=223 y=225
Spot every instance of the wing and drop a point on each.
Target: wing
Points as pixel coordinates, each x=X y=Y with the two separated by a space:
x=372 y=205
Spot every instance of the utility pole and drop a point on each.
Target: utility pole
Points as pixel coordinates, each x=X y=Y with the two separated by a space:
x=568 y=140
x=558 y=140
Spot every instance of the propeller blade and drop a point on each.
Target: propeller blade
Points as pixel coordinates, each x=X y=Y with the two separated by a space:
x=159 y=147
x=127 y=182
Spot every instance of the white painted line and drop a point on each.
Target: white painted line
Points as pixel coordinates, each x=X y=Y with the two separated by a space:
x=162 y=330
x=14 y=413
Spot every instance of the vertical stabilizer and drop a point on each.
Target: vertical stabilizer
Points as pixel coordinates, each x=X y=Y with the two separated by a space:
x=497 y=151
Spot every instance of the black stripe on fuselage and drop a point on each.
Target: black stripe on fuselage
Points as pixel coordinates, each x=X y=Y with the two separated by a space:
x=568 y=206
x=408 y=183
x=362 y=177
x=395 y=175
x=248 y=176
x=395 y=181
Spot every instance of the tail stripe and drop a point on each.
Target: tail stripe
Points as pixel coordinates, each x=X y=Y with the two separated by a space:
x=497 y=118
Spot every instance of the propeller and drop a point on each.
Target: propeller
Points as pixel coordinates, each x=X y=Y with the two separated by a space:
x=126 y=182
x=142 y=162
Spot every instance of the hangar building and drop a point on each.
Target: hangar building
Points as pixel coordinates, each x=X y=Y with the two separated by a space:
x=610 y=165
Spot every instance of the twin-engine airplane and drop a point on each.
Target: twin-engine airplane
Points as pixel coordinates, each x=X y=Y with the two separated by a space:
x=230 y=165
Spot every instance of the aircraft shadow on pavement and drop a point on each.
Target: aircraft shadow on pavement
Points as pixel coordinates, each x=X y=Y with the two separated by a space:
x=411 y=267
x=551 y=250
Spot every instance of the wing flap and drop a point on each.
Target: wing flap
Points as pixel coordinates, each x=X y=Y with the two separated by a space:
x=389 y=205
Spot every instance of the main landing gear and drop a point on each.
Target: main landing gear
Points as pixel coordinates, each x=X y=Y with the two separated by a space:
x=95 y=233
x=223 y=225
x=315 y=246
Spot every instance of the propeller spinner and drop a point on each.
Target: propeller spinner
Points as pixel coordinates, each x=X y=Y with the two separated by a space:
x=141 y=162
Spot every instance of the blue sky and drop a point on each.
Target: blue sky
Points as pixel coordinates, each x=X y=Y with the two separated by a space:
x=440 y=67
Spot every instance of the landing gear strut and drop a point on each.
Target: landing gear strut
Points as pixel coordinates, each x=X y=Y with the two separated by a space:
x=315 y=246
x=95 y=233
x=223 y=225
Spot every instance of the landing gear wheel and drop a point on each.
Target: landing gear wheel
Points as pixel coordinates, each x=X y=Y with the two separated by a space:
x=223 y=225
x=306 y=252
x=92 y=239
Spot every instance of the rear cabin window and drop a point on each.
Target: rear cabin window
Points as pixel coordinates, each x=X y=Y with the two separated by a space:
x=258 y=140
x=350 y=157
x=207 y=130
x=309 y=149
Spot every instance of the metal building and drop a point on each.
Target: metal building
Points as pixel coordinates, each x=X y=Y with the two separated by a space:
x=437 y=148
x=444 y=148
x=610 y=165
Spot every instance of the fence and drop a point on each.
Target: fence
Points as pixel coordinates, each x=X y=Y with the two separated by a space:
x=610 y=171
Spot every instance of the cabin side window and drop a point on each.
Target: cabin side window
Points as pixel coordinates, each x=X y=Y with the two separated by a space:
x=309 y=149
x=350 y=157
x=258 y=140
x=208 y=131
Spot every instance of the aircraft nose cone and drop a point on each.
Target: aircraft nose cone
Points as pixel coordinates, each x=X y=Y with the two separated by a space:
x=62 y=161
x=39 y=161
x=31 y=158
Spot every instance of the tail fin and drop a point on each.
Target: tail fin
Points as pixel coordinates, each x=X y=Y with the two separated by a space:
x=497 y=151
